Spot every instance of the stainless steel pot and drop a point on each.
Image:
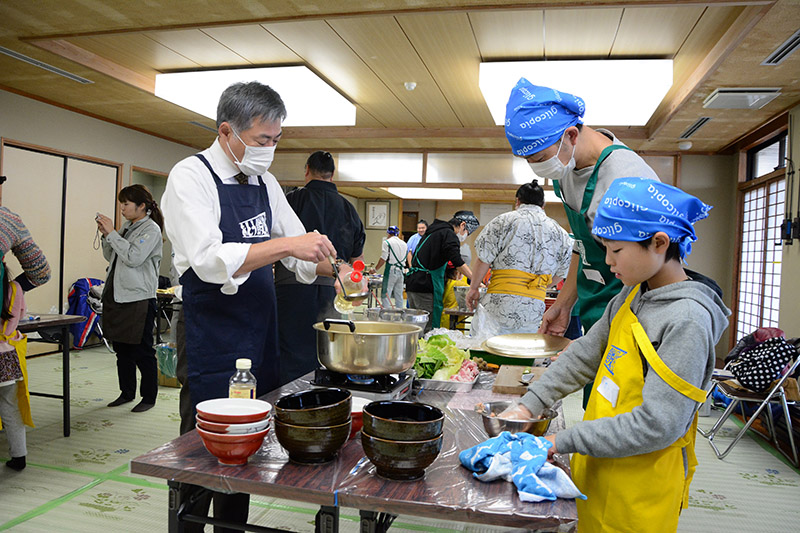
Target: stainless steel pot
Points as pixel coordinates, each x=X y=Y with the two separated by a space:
x=409 y=316
x=369 y=348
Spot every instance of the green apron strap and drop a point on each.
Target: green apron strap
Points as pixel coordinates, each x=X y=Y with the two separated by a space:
x=596 y=283
x=387 y=269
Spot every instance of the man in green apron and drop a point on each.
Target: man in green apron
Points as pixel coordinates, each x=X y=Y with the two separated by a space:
x=425 y=280
x=545 y=127
x=393 y=255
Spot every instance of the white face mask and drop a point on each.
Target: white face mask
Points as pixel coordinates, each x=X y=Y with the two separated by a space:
x=256 y=159
x=553 y=168
x=462 y=237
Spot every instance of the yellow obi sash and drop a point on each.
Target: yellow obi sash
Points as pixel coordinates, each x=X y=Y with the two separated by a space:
x=519 y=283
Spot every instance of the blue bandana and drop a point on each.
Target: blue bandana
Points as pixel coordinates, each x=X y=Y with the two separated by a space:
x=537 y=116
x=635 y=209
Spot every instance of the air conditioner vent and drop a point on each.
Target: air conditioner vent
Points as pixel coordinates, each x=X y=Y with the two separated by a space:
x=783 y=51
x=43 y=65
x=741 y=97
x=691 y=130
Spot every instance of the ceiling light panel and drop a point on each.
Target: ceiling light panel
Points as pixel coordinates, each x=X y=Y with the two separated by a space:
x=309 y=100
x=421 y=193
x=617 y=92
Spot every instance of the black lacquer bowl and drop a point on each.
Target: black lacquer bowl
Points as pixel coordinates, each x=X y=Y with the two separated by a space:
x=402 y=421
x=315 y=407
x=312 y=445
x=401 y=460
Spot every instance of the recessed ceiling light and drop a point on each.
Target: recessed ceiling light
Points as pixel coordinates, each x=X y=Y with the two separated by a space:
x=309 y=100
x=410 y=85
x=638 y=87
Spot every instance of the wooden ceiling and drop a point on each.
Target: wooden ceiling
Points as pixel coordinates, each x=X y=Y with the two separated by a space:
x=368 y=49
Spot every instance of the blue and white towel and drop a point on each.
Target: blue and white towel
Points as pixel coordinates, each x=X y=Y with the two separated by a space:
x=522 y=459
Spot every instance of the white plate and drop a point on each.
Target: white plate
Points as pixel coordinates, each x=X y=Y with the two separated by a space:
x=526 y=345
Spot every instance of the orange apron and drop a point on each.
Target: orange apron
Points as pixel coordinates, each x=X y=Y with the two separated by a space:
x=20 y=342
x=641 y=493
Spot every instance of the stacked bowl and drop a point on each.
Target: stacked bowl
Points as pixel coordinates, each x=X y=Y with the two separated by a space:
x=401 y=438
x=312 y=425
x=233 y=429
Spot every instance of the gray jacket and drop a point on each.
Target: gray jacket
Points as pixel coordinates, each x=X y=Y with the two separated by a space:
x=684 y=321
x=138 y=259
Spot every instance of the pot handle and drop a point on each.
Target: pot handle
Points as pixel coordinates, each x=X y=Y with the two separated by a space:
x=328 y=321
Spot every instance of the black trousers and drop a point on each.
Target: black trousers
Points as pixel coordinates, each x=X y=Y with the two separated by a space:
x=299 y=308
x=234 y=507
x=141 y=356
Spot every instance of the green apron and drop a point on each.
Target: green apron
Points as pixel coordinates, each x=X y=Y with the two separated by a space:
x=437 y=278
x=388 y=268
x=596 y=283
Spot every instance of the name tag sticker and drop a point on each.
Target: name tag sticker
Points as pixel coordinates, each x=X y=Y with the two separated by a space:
x=608 y=390
x=594 y=275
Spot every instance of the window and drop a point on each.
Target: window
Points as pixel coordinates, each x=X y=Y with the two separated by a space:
x=760 y=260
x=766 y=158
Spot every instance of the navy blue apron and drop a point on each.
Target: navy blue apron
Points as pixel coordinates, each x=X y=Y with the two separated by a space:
x=221 y=328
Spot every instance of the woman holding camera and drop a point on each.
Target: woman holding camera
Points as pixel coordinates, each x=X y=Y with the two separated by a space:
x=129 y=294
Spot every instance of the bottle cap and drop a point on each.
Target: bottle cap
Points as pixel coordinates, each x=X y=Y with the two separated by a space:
x=358 y=265
x=355 y=276
x=243 y=364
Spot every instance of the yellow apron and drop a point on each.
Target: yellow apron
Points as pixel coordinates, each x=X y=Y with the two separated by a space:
x=519 y=283
x=641 y=493
x=20 y=342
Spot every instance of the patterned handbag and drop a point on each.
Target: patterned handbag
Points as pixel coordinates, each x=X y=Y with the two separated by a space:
x=757 y=368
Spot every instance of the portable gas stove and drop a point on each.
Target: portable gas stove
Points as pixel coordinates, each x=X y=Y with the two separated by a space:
x=380 y=387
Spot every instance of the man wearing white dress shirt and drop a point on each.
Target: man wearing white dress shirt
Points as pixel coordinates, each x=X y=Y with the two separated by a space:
x=228 y=221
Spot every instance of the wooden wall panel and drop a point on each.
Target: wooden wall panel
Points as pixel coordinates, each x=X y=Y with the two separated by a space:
x=320 y=46
x=492 y=29
x=447 y=47
x=586 y=33
x=253 y=43
x=383 y=46
x=654 y=32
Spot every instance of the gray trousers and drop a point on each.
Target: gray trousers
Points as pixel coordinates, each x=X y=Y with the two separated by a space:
x=12 y=421
x=394 y=289
x=422 y=301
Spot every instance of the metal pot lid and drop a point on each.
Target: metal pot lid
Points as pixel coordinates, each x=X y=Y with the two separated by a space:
x=525 y=345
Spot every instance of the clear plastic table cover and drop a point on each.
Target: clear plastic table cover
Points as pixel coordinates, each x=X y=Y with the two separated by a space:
x=446 y=491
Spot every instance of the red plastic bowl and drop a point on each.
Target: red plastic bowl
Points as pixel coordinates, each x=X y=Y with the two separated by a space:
x=238 y=429
x=356 y=415
x=232 y=449
x=234 y=410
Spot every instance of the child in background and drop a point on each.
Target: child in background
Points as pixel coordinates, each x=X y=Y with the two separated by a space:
x=452 y=278
x=14 y=399
x=651 y=356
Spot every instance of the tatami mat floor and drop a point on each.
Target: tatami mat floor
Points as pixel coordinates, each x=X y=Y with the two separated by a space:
x=83 y=484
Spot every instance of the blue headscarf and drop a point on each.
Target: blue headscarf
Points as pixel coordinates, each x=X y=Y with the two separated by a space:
x=635 y=209
x=537 y=116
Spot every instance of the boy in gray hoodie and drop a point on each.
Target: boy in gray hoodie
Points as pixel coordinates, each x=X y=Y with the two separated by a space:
x=651 y=356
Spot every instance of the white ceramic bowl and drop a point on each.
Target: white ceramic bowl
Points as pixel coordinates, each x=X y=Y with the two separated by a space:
x=234 y=429
x=234 y=410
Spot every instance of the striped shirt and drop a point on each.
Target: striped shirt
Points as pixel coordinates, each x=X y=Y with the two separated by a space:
x=14 y=236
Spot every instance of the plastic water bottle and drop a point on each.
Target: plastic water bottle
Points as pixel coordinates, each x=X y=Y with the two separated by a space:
x=354 y=283
x=243 y=382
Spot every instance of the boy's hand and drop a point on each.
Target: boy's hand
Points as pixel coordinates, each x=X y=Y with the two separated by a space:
x=552 y=451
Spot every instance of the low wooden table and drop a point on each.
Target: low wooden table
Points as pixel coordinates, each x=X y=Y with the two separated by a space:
x=62 y=323
x=447 y=491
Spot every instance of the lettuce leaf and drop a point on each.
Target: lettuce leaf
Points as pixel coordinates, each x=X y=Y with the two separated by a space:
x=438 y=358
